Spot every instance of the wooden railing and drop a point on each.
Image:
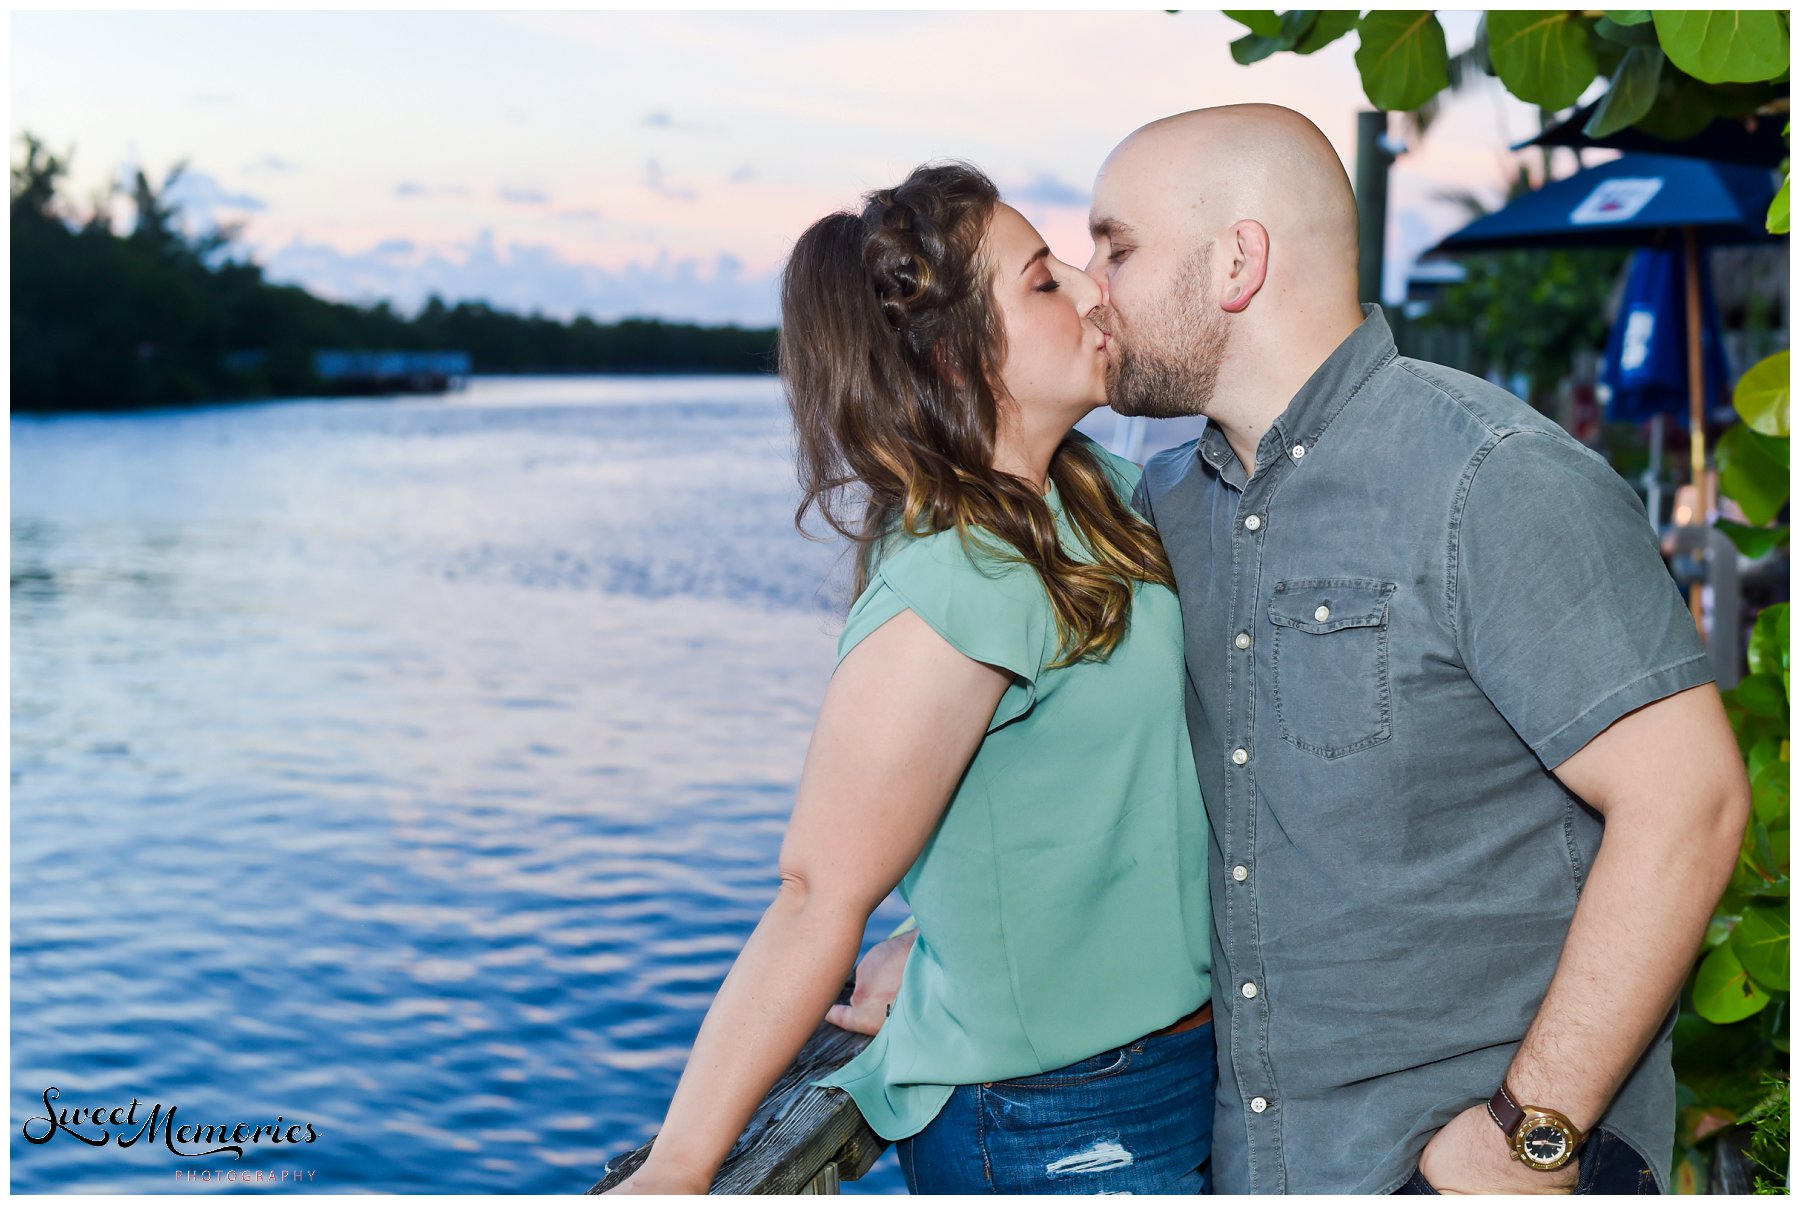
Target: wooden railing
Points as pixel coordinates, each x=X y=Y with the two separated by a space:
x=809 y=1140
x=801 y=1139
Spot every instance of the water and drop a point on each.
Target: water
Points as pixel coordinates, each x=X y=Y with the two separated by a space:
x=412 y=769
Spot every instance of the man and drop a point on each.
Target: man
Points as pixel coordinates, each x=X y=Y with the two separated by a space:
x=1433 y=656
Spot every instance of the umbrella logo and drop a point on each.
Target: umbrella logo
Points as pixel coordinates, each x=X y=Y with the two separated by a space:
x=1640 y=326
x=1617 y=200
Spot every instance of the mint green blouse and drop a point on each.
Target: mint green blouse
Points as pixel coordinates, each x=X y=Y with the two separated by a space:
x=1062 y=899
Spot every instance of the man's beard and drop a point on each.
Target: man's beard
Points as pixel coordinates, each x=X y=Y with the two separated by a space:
x=1168 y=365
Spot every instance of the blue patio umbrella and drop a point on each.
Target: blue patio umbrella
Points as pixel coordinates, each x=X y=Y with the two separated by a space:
x=1646 y=369
x=1635 y=200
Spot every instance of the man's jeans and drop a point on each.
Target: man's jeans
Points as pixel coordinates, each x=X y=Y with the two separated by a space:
x=1609 y=1167
x=1134 y=1119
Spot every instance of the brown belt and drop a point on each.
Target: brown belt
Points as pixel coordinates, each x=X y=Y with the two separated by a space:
x=1193 y=1020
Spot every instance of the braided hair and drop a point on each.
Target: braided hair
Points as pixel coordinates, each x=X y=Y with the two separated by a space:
x=890 y=350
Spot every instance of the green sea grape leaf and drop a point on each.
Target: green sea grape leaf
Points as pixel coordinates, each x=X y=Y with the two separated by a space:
x=1544 y=57
x=1403 y=58
x=1333 y=23
x=1631 y=94
x=1761 y=396
x=1752 y=474
x=1771 y=643
x=1753 y=542
x=1769 y=793
x=1718 y=46
x=1624 y=33
x=1760 y=942
x=1262 y=24
x=1724 y=991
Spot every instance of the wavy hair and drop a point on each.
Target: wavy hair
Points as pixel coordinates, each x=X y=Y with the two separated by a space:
x=890 y=352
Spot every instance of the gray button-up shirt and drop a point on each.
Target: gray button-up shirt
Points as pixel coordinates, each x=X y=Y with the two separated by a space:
x=1426 y=598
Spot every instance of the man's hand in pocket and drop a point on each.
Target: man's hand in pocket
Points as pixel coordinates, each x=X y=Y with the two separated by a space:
x=1470 y=1155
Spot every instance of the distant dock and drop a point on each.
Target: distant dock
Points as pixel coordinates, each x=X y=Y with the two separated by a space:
x=392 y=371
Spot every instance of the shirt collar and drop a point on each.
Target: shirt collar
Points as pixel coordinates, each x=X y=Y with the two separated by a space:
x=1337 y=380
x=1331 y=385
x=1215 y=453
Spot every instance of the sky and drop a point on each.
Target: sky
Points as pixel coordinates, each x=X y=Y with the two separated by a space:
x=639 y=163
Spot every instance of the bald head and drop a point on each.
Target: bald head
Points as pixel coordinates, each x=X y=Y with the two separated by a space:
x=1203 y=171
x=1226 y=239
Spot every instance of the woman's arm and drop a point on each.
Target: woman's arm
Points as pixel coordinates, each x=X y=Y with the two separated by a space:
x=902 y=716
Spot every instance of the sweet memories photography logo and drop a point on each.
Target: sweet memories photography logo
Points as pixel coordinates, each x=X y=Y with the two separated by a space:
x=100 y=1125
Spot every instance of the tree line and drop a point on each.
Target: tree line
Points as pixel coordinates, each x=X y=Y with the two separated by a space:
x=157 y=316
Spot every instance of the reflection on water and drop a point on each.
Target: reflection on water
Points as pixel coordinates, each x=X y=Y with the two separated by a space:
x=414 y=769
x=409 y=768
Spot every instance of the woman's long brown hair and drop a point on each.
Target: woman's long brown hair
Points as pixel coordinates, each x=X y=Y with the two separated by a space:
x=890 y=352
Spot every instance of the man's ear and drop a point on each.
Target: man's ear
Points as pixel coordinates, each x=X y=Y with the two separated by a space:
x=1249 y=265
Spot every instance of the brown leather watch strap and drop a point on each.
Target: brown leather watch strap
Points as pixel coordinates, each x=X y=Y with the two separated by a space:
x=1505 y=1111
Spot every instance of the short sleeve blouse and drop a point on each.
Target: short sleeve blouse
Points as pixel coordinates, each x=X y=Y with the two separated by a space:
x=1062 y=900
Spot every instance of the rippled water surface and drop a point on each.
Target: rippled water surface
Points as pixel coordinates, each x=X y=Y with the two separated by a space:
x=413 y=769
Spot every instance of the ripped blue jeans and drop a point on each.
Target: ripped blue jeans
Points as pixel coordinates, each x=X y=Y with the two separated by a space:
x=1134 y=1119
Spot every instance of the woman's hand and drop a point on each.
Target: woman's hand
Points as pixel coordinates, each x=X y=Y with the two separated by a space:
x=649 y=1180
x=877 y=984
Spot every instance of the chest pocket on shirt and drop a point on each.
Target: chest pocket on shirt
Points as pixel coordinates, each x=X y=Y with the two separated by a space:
x=1330 y=659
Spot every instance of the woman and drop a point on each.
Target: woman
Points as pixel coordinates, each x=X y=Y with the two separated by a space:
x=1003 y=737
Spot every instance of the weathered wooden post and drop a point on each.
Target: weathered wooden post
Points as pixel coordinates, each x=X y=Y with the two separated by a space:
x=801 y=1140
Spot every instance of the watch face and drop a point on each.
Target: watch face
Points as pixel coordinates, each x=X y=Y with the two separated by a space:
x=1544 y=1144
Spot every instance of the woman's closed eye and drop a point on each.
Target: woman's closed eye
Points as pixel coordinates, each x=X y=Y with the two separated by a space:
x=1050 y=286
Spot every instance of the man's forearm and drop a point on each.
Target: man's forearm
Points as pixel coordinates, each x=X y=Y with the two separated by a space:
x=1640 y=921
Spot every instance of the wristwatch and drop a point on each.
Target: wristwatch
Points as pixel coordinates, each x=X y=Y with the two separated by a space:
x=1542 y=1139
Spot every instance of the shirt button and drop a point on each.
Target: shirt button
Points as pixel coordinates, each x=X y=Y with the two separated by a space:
x=1299 y=451
x=1240 y=756
x=1249 y=991
x=1258 y=1104
x=1253 y=522
x=1322 y=614
x=1243 y=640
x=1240 y=873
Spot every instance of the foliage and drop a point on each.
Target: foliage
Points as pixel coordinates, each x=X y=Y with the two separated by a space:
x=1402 y=57
x=1531 y=309
x=1724 y=45
x=1753 y=472
x=1544 y=58
x=1527 y=310
x=1769 y=1141
x=1669 y=73
x=158 y=316
x=1762 y=397
x=1732 y=1044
